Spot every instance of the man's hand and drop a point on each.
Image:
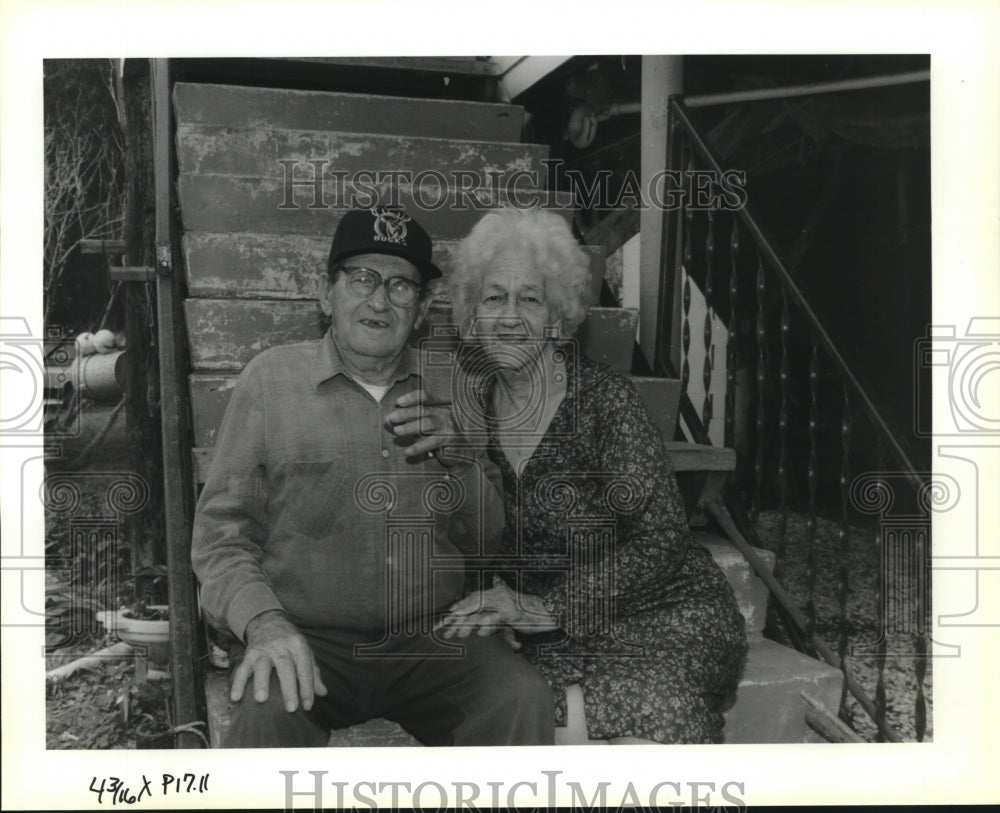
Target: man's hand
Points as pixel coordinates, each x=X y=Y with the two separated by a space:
x=490 y=611
x=430 y=418
x=273 y=642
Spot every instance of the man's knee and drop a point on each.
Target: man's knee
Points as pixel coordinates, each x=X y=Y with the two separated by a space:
x=514 y=684
x=269 y=724
x=522 y=684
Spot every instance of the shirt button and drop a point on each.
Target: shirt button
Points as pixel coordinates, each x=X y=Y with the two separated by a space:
x=385 y=453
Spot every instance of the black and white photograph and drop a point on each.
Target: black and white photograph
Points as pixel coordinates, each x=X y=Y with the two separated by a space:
x=372 y=399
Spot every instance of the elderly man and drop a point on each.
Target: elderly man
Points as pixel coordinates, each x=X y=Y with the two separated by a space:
x=330 y=490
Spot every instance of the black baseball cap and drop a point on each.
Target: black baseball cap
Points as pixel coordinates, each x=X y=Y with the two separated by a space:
x=383 y=230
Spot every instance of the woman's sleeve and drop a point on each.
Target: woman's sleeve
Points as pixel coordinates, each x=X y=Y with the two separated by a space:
x=632 y=570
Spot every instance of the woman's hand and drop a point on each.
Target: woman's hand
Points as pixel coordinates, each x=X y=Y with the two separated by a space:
x=430 y=420
x=487 y=612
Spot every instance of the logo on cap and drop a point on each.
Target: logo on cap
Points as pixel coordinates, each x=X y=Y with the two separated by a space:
x=389 y=225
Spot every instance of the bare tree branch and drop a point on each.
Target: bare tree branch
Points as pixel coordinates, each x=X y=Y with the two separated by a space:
x=83 y=166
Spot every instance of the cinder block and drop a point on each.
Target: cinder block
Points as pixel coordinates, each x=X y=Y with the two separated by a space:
x=751 y=592
x=769 y=707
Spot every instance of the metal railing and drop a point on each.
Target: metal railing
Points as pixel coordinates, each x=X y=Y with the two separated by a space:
x=803 y=413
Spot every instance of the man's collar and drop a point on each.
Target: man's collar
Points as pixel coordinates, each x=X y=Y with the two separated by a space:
x=328 y=363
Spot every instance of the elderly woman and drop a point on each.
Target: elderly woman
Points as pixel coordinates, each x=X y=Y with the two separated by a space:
x=598 y=577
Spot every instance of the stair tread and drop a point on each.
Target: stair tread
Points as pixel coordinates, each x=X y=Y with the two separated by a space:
x=239 y=106
x=206 y=205
x=769 y=662
x=725 y=552
x=254 y=151
x=769 y=707
x=256 y=265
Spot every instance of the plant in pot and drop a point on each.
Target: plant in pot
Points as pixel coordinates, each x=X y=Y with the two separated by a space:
x=141 y=622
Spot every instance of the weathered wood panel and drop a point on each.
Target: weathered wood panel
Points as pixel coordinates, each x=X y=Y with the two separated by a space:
x=282 y=266
x=256 y=152
x=253 y=265
x=210 y=395
x=235 y=106
x=201 y=461
x=225 y=334
x=222 y=203
x=661 y=397
x=699 y=458
x=608 y=335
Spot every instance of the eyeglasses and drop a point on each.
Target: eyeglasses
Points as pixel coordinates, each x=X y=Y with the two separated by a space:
x=402 y=292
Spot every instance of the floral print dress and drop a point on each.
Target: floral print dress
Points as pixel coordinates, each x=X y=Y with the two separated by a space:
x=595 y=526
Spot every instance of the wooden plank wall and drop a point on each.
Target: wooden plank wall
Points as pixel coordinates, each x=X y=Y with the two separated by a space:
x=253 y=267
x=254 y=246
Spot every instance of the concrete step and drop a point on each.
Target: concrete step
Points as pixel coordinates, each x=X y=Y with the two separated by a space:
x=769 y=707
x=751 y=592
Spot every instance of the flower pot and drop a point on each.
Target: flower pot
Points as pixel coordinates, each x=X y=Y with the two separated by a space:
x=153 y=636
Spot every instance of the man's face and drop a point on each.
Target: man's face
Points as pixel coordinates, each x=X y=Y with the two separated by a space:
x=371 y=326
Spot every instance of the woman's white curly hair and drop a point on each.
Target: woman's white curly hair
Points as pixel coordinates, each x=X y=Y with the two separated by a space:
x=554 y=253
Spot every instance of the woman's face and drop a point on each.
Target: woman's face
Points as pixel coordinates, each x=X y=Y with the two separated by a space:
x=513 y=318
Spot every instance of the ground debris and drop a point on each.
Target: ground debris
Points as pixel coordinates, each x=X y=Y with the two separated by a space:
x=865 y=638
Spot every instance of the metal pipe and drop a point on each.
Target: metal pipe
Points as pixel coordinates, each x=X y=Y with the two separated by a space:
x=709 y=99
x=99 y=376
x=184 y=664
x=624 y=109
x=662 y=76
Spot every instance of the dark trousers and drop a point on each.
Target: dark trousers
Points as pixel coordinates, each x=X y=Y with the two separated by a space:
x=489 y=695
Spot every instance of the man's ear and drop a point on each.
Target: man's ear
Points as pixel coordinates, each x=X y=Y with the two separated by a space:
x=422 y=306
x=324 y=294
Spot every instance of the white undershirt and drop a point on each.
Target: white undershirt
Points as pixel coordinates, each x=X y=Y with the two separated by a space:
x=376 y=391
